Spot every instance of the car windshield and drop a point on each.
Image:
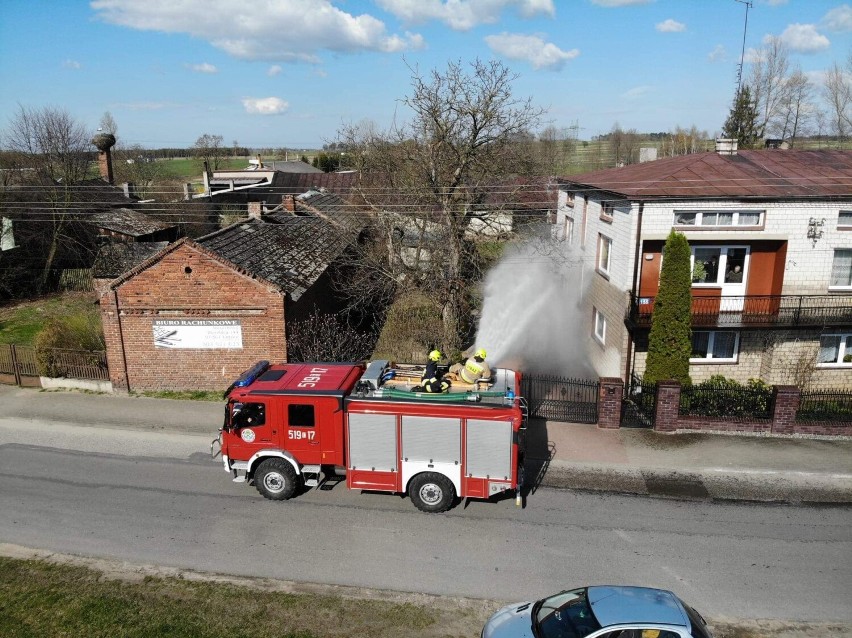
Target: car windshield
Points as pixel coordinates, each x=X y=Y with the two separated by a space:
x=565 y=615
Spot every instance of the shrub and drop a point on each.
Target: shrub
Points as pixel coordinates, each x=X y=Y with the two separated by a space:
x=75 y=332
x=723 y=397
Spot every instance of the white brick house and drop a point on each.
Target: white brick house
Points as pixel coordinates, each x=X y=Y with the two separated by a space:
x=771 y=239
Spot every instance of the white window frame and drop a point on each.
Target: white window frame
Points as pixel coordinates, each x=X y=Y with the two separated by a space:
x=844 y=286
x=842 y=351
x=568 y=230
x=711 y=342
x=604 y=240
x=721 y=268
x=599 y=329
x=735 y=221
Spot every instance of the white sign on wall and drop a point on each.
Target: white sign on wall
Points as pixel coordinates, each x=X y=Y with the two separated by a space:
x=198 y=333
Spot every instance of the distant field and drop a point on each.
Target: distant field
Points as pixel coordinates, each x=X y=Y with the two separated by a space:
x=188 y=169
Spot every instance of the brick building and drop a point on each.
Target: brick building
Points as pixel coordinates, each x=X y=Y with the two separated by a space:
x=199 y=312
x=771 y=238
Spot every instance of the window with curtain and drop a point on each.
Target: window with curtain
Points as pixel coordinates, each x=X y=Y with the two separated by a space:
x=841 y=269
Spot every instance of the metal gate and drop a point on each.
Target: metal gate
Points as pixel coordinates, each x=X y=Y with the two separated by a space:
x=561 y=398
x=18 y=365
x=638 y=404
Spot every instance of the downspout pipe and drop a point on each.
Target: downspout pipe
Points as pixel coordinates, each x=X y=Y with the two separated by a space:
x=637 y=260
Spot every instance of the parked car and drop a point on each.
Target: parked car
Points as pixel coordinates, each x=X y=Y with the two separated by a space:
x=600 y=612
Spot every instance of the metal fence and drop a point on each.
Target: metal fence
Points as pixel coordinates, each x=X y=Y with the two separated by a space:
x=638 y=404
x=715 y=400
x=561 y=398
x=825 y=405
x=17 y=362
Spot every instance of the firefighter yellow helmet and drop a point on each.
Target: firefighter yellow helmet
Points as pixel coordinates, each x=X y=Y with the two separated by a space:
x=435 y=355
x=480 y=353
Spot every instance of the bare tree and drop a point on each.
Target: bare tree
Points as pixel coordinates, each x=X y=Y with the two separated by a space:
x=56 y=149
x=797 y=109
x=683 y=142
x=768 y=83
x=108 y=124
x=837 y=92
x=208 y=148
x=134 y=164
x=442 y=167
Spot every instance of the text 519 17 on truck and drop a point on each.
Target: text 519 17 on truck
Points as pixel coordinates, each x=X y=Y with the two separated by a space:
x=298 y=425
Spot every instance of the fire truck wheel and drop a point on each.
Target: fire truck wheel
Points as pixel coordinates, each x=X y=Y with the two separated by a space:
x=431 y=492
x=275 y=479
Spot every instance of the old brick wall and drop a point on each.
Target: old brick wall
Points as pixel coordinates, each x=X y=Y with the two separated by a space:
x=188 y=283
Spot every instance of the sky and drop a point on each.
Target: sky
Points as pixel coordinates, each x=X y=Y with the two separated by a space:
x=291 y=73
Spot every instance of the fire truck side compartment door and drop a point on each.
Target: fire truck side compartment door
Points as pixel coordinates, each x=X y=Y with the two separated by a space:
x=372 y=442
x=489 y=449
x=431 y=444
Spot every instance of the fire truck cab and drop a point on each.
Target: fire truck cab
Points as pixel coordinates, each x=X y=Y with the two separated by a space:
x=291 y=426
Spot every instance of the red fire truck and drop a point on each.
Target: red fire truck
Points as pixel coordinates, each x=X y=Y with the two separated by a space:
x=297 y=425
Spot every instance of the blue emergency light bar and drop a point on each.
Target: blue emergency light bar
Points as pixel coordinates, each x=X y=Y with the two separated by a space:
x=248 y=377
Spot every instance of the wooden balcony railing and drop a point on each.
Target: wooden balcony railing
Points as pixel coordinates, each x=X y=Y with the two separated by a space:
x=756 y=311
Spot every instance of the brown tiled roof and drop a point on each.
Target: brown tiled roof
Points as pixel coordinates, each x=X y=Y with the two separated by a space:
x=116 y=258
x=338 y=183
x=291 y=254
x=329 y=207
x=762 y=174
x=127 y=222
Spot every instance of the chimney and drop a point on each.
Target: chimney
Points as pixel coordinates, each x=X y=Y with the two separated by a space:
x=289 y=202
x=104 y=142
x=255 y=209
x=726 y=146
x=129 y=190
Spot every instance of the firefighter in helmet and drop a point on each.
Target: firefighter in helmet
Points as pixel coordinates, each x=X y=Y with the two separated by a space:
x=473 y=369
x=430 y=381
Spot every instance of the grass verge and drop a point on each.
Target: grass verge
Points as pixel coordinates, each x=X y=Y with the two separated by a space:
x=19 y=324
x=40 y=598
x=183 y=395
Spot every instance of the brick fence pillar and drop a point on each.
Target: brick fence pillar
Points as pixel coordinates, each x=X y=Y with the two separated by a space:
x=667 y=407
x=609 y=402
x=786 y=403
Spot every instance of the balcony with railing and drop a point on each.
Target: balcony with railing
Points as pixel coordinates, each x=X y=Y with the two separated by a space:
x=756 y=311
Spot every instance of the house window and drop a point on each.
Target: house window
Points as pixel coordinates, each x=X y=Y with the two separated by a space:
x=569 y=200
x=718 y=218
x=841 y=269
x=568 y=235
x=600 y=326
x=604 y=254
x=844 y=219
x=607 y=209
x=835 y=350
x=718 y=265
x=714 y=345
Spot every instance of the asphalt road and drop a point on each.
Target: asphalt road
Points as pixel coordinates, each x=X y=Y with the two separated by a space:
x=157 y=497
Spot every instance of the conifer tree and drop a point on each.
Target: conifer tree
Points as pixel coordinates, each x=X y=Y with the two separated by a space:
x=742 y=122
x=670 y=339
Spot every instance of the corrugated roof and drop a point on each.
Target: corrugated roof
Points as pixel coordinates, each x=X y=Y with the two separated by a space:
x=291 y=254
x=338 y=183
x=761 y=174
x=128 y=222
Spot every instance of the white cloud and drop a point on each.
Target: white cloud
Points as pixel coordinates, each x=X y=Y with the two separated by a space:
x=719 y=54
x=273 y=30
x=838 y=19
x=803 y=38
x=71 y=64
x=635 y=92
x=670 y=26
x=265 y=105
x=620 y=3
x=274 y=70
x=751 y=56
x=532 y=49
x=202 y=68
x=462 y=15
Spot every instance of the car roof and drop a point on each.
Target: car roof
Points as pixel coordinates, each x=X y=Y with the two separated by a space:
x=618 y=605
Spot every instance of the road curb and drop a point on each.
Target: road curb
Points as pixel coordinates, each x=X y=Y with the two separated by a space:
x=704 y=484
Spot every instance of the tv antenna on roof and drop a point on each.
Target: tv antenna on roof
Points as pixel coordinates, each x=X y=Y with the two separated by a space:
x=748 y=5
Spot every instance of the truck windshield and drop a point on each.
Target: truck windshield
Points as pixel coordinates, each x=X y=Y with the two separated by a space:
x=565 y=615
